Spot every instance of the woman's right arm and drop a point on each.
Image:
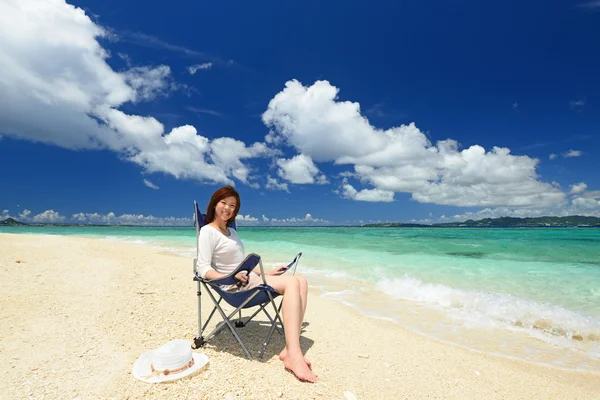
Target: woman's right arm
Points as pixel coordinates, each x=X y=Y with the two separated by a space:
x=206 y=245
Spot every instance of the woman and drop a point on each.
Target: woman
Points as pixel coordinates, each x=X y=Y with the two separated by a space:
x=220 y=251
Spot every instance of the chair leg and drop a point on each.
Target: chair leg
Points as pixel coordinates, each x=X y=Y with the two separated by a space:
x=231 y=327
x=262 y=351
x=240 y=322
x=273 y=325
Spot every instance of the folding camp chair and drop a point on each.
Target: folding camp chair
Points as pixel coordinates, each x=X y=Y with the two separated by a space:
x=260 y=297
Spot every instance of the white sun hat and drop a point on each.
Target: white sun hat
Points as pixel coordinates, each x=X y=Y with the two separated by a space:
x=171 y=361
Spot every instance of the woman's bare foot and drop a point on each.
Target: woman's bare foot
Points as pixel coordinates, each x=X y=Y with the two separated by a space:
x=283 y=355
x=299 y=367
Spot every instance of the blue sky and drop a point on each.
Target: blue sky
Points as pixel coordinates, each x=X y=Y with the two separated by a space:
x=319 y=112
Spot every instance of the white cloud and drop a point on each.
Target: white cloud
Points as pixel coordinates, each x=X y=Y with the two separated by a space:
x=300 y=169
x=149 y=82
x=311 y=120
x=150 y=184
x=374 y=195
x=585 y=206
x=401 y=159
x=273 y=184
x=192 y=69
x=227 y=154
x=56 y=87
x=582 y=205
x=25 y=214
x=51 y=216
x=129 y=219
x=307 y=220
x=552 y=156
x=592 y=194
x=572 y=153
x=248 y=220
x=48 y=217
x=245 y=219
x=578 y=188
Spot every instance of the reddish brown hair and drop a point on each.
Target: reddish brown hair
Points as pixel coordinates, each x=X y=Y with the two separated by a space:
x=219 y=195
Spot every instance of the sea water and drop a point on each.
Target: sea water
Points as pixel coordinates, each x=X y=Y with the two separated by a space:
x=533 y=294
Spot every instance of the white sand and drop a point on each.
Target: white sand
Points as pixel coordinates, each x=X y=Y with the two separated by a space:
x=76 y=313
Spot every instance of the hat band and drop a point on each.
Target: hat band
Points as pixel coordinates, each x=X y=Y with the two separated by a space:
x=169 y=371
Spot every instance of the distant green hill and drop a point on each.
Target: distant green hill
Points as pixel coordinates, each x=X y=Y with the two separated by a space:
x=11 y=222
x=508 y=222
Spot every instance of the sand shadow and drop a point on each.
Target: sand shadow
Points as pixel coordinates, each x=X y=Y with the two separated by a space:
x=253 y=334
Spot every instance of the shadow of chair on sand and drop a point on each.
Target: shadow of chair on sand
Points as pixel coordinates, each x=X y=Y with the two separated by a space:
x=253 y=335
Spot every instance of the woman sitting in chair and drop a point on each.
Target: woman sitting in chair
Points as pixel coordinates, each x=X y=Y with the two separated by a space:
x=220 y=251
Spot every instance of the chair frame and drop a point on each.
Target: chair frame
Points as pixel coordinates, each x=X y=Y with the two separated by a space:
x=260 y=297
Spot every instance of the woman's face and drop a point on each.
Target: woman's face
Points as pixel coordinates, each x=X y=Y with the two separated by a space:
x=225 y=208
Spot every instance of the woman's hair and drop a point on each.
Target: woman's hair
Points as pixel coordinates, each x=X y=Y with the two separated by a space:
x=219 y=195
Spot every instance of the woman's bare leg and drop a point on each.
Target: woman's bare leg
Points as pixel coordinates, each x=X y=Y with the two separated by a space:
x=303 y=298
x=293 y=308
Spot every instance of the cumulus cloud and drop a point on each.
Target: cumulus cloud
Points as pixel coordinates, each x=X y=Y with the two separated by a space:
x=311 y=120
x=307 y=220
x=401 y=159
x=241 y=219
x=552 y=156
x=300 y=169
x=274 y=184
x=25 y=214
x=582 y=202
x=578 y=188
x=54 y=68
x=149 y=82
x=192 y=69
x=48 y=217
x=129 y=219
x=150 y=184
x=373 y=195
x=51 y=216
x=585 y=206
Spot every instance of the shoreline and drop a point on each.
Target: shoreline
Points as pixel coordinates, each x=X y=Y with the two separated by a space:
x=77 y=312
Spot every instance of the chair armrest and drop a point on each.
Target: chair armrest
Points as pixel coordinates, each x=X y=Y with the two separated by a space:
x=248 y=265
x=293 y=265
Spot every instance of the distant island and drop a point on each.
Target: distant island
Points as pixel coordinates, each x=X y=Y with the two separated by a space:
x=11 y=222
x=505 y=222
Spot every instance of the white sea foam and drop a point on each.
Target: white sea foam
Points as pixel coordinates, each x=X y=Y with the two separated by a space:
x=551 y=323
x=126 y=239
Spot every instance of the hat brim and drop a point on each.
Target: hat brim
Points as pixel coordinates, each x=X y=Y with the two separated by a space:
x=143 y=372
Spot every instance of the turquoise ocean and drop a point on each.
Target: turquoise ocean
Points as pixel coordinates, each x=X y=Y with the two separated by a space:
x=532 y=294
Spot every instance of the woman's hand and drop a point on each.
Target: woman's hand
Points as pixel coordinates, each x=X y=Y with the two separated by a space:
x=242 y=278
x=277 y=271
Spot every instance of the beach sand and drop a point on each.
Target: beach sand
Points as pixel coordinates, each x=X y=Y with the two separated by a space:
x=75 y=314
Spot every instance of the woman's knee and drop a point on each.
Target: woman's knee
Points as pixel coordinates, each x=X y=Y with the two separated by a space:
x=303 y=283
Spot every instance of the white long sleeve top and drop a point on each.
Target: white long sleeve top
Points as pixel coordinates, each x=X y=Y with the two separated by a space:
x=217 y=251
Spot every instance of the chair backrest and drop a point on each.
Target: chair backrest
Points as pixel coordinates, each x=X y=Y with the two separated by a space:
x=200 y=219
